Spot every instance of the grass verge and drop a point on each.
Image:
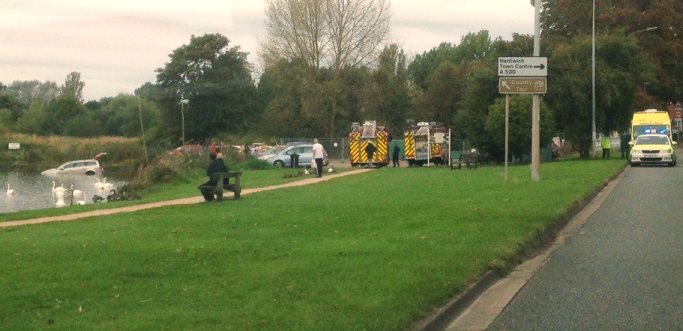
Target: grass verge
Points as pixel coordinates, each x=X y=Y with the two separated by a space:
x=373 y=251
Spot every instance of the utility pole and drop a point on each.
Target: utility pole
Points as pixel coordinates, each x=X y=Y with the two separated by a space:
x=142 y=131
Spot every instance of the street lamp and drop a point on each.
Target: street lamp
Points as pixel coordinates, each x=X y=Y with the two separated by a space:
x=643 y=30
x=593 y=87
x=183 y=102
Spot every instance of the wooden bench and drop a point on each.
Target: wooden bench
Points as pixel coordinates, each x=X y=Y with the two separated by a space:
x=236 y=187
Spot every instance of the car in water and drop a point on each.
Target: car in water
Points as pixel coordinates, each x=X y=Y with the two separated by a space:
x=80 y=167
x=652 y=149
x=283 y=158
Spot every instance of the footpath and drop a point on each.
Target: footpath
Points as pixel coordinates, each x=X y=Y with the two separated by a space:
x=183 y=201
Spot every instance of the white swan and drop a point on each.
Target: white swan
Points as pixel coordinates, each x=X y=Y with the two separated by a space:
x=107 y=187
x=60 y=198
x=75 y=193
x=58 y=190
x=99 y=184
x=10 y=190
x=82 y=201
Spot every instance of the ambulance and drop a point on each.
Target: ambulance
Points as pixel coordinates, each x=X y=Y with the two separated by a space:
x=650 y=121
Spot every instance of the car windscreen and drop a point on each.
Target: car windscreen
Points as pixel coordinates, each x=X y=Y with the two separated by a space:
x=652 y=140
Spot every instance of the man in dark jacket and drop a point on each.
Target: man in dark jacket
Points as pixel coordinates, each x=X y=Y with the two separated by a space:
x=215 y=166
x=370 y=150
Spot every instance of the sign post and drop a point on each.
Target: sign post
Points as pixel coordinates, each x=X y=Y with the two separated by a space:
x=524 y=75
x=523 y=66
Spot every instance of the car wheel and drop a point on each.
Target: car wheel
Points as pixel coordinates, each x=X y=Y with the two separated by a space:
x=279 y=163
x=90 y=173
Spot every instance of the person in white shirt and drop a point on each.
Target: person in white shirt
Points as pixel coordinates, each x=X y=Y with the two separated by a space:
x=318 y=155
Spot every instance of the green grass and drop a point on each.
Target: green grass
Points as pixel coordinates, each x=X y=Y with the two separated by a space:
x=373 y=251
x=176 y=190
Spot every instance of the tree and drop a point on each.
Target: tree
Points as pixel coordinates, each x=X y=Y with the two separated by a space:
x=619 y=64
x=388 y=96
x=564 y=20
x=333 y=34
x=216 y=81
x=119 y=116
x=519 y=125
x=292 y=99
x=62 y=111
x=325 y=33
x=73 y=86
x=35 y=121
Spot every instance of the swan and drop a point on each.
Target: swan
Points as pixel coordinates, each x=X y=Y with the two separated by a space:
x=82 y=201
x=10 y=190
x=58 y=190
x=99 y=184
x=75 y=193
x=107 y=187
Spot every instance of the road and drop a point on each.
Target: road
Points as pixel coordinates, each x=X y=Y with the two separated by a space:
x=621 y=270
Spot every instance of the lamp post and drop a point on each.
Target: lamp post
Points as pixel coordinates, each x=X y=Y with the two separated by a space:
x=183 y=102
x=593 y=86
x=644 y=30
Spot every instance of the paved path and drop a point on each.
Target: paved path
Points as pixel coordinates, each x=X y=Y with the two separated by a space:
x=184 y=201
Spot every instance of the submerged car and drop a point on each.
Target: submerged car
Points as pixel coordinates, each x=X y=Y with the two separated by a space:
x=79 y=167
x=283 y=158
x=653 y=149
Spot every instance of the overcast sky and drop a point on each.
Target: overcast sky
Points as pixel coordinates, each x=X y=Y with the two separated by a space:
x=117 y=44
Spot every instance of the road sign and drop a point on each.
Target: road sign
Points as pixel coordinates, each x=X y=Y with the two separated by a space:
x=522 y=66
x=522 y=85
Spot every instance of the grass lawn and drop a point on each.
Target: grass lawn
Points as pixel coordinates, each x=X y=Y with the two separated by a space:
x=176 y=190
x=372 y=251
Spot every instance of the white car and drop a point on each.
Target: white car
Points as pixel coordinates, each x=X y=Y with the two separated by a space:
x=80 y=167
x=304 y=153
x=653 y=149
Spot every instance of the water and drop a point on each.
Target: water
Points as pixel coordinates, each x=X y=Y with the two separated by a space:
x=34 y=191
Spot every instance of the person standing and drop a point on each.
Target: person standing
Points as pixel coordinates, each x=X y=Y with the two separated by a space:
x=318 y=154
x=394 y=156
x=370 y=151
x=624 y=147
x=606 y=146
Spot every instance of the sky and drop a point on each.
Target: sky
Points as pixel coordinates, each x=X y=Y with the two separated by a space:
x=116 y=45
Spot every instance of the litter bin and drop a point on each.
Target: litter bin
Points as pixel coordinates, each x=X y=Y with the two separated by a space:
x=294 y=160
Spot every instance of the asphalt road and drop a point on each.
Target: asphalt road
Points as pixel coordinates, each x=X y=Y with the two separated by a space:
x=622 y=270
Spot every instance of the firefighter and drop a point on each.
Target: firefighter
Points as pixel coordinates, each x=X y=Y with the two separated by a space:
x=370 y=150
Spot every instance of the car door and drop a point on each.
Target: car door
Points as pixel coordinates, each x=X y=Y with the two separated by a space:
x=305 y=155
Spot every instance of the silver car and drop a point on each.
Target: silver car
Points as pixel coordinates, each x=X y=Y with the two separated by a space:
x=79 y=167
x=283 y=158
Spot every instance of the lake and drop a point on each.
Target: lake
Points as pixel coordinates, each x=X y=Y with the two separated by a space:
x=34 y=191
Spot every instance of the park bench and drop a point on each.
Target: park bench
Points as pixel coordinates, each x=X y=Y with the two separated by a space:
x=236 y=187
x=470 y=159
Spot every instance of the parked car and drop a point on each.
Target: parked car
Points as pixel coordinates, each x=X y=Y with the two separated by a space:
x=270 y=152
x=283 y=157
x=80 y=167
x=653 y=149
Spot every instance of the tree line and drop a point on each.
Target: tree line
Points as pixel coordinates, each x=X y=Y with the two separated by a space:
x=326 y=65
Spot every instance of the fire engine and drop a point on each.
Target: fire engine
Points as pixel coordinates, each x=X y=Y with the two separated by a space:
x=359 y=138
x=425 y=143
